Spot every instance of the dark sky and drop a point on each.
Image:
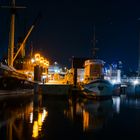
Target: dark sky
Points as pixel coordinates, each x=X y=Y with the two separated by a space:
x=66 y=29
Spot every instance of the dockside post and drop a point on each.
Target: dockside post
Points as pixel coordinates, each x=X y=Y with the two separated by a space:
x=75 y=77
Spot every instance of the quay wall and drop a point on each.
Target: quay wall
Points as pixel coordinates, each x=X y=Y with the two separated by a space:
x=53 y=89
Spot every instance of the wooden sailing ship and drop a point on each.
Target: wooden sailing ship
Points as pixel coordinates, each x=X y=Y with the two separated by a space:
x=9 y=76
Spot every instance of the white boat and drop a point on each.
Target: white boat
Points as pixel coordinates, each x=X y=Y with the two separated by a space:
x=98 y=88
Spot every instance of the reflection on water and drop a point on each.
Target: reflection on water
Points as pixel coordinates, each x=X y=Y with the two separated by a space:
x=38 y=122
x=116 y=104
x=132 y=103
x=22 y=121
x=39 y=115
x=93 y=113
x=11 y=120
x=67 y=118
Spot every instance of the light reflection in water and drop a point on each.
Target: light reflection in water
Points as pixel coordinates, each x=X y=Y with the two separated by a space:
x=85 y=120
x=85 y=115
x=31 y=117
x=37 y=125
x=93 y=113
x=116 y=104
x=35 y=129
x=39 y=121
x=132 y=103
x=13 y=116
x=12 y=120
x=39 y=115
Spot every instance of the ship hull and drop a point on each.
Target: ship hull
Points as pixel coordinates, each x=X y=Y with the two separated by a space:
x=11 y=79
x=98 y=88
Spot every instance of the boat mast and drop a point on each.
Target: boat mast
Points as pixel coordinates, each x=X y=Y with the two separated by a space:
x=13 y=9
x=95 y=49
x=94 y=43
x=11 y=35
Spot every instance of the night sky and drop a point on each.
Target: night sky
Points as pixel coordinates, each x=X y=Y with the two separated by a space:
x=66 y=29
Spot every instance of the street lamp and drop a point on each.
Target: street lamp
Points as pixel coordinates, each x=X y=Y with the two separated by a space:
x=41 y=61
x=37 y=58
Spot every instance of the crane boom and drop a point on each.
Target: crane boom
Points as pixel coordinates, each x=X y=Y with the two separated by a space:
x=21 y=46
x=26 y=37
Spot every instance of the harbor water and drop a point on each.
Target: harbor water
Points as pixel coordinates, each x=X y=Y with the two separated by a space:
x=73 y=117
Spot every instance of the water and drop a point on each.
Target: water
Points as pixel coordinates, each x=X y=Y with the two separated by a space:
x=70 y=118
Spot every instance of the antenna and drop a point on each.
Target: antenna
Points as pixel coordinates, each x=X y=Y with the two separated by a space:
x=95 y=49
x=13 y=9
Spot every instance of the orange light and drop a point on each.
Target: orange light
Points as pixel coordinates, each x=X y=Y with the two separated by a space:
x=41 y=60
x=39 y=121
x=35 y=129
x=47 y=63
x=37 y=57
x=85 y=120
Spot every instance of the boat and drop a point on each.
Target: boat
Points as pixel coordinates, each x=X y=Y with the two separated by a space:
x=95 y=85
x=98 y=88
x=10 y=77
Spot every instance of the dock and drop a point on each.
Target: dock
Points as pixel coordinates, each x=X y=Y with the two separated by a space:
x=53 y=88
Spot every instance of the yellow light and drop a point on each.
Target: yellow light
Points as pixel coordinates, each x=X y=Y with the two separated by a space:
x=39 y=121
x=85 y=120
x=41 y=60
x=37 y=57
x=44 y=114
x=32 y=60
x=35 y=129
x=47 y=63
x=43 y=73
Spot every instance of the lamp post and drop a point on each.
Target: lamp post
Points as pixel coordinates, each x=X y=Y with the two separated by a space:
x=37 y=68
x=46 y=65
x=40 y=68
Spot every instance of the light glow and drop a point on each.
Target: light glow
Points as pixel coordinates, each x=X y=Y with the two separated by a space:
x=85 y=120
x=135 y=82
x=116 y=104
x=32 y=60
x=37 y=57
x=31 y=117
x=35 y=129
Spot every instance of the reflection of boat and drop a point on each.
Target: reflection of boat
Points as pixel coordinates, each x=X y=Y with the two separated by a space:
x=12 y=118
x=133 y=90
x=93 y=114
x=96 y=114
x=98 y=88
x=22 y=119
